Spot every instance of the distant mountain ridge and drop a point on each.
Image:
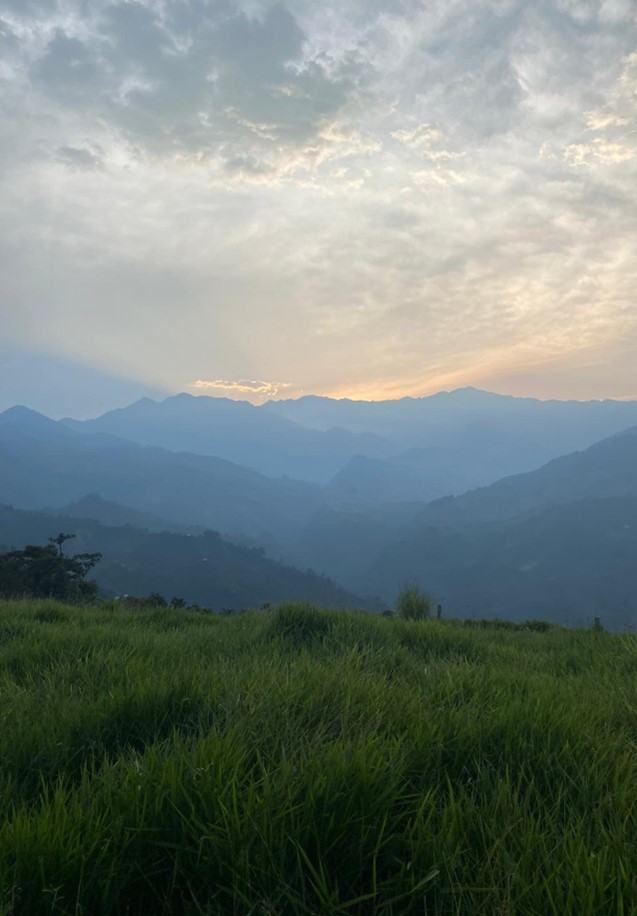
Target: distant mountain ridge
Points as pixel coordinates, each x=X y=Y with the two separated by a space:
x=607 y=469
x=480 y=437
x=44 y=463
x=114 y=515
x=238 y=432
x=542 y=539
x=559 y=542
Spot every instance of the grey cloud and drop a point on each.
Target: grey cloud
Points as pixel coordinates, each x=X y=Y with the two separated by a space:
x=79 y=158
x=258 y=49
x=247 y=165
x=22 y=7
x=68 y=70
x=8 y=38
x=411 y=191
x=192 y=82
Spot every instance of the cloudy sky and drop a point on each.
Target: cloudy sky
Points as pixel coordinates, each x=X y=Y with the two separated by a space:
x=364 y=198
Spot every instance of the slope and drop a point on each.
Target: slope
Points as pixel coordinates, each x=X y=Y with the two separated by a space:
x=204 y=569
x=238 y=432
x=44 y=463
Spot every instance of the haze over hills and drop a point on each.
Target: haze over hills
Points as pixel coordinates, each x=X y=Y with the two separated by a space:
x=411 y=448
x=513 y=547
x=557 y=542
x=480 y=434
x=407 y=419
x=43 y=464
x=567 y=563
x=203 y=569
x=238 y=432
x=114 y=515
x=605 y=469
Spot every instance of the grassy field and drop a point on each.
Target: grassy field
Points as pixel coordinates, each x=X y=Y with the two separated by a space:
x=306 y=762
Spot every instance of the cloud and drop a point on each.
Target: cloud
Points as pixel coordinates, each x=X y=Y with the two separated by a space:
x=179 y=78
x=422 y=136
x=260 y=388
x=78 y=158
x=365 y=197
x=598 y=150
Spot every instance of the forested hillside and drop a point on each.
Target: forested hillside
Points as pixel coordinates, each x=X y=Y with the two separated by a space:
x=203 y=569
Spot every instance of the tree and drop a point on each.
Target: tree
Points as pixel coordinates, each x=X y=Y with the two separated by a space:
x=59 y=539
x=46 y=572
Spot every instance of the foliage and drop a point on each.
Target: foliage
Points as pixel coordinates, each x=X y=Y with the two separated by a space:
x=169 y=762
x=45 y=572
x=412 y=603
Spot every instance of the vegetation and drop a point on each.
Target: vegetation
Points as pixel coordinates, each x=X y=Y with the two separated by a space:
x=298 y=761
x=45 y=572
x=412 y=603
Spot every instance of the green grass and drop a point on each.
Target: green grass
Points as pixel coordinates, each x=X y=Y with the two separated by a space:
x=308 y=762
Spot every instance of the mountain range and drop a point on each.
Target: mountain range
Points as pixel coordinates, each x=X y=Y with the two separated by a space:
x=497 y=505
x=446 y=443
x=559 y=542
x=44 y=463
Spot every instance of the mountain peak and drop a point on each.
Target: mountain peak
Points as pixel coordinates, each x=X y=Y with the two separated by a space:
x=24 y=421
x=25 y=418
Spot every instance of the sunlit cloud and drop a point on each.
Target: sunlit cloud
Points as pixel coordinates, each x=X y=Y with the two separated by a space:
x=253 y=387
x=422 y=136
x=365 y=198
x=599 y=150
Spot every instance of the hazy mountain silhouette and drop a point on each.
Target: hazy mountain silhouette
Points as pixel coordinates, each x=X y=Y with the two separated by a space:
x=482 y=436
x=43 y=463
x=238 y=432
x=540 y=542
x=567 y=563
x=114 y=515
x=606 y=469
x=418 y=475
x=412 y=448
x=203 y=569
x=559 y=542
x=346 y=540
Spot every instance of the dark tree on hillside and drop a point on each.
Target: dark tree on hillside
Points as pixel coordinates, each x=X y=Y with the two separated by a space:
x=59 y=539
x=45 y=572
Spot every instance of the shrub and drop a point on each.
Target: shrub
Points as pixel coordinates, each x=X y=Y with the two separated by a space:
x=412 y=603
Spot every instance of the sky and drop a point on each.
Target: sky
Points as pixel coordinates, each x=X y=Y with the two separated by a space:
x=362 y=198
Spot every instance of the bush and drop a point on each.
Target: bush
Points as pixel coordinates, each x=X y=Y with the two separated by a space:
x=412 y=603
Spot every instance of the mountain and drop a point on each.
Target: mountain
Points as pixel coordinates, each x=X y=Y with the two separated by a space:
x=559 y=542
x=483 y=436
x=44 y=463
x=567 y=563
x=114 y=515
x=606 y=469
x=373 y=451
x=346 y=539
x=203 y=569
x=238 y=432
x=420 y=474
